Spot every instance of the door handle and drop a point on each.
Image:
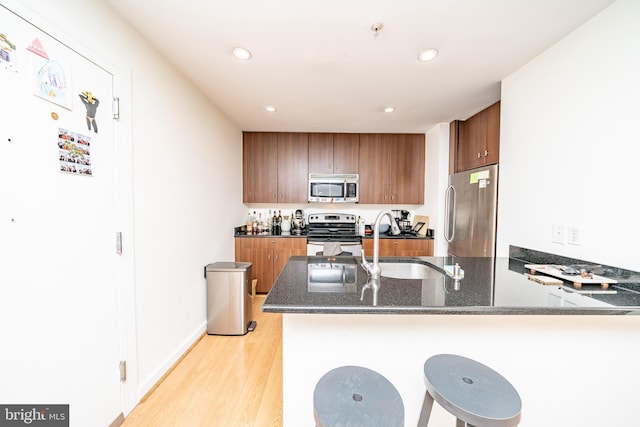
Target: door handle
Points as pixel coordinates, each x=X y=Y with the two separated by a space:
x=450 y=216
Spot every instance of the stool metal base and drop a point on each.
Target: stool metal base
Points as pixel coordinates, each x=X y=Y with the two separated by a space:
x=356 y=396
x=474 y=393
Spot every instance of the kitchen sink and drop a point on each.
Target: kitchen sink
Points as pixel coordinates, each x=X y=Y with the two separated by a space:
x=407 y=270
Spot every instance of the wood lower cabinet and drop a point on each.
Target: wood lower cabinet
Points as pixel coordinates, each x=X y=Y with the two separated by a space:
x=267 y=256
x=399 y=247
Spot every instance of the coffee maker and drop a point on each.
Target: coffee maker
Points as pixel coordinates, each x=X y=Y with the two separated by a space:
x=402 y=219
x=297 y=222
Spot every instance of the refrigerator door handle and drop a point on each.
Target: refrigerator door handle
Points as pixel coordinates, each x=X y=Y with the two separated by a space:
x=450 y=217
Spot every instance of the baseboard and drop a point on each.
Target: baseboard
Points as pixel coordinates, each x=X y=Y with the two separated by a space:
x=148 y=386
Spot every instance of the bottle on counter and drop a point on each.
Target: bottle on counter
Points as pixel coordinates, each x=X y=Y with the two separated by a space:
x=269 y=223
x=254 y=223
x=260 y=223
x=274 y=223
x=249 y=223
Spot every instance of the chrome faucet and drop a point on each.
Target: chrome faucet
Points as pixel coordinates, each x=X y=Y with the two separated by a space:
x=373 y=269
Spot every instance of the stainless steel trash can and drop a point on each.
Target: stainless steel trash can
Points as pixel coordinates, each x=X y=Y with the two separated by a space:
x=229 y=298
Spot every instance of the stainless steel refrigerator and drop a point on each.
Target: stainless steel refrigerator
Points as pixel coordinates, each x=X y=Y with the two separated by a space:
x=470 y=212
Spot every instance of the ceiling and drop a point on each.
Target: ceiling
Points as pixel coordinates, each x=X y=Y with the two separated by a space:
x=324 y=69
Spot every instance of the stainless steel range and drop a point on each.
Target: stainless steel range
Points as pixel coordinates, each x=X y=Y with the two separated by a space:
x=333 y=234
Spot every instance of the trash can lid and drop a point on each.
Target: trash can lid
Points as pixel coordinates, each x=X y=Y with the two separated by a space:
x=228 y=266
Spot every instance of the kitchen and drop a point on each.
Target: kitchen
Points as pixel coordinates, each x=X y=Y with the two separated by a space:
x=567 y=122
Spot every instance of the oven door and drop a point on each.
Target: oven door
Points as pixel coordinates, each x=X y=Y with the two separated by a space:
x=316 y=247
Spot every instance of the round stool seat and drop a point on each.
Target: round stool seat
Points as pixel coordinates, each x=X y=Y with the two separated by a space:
x=471 y=391
x=356 y=396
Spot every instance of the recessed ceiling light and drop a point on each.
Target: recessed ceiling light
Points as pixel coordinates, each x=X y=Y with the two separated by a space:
x=427 y=55
x=271 y=108
x=389 y=110
x=241 y=53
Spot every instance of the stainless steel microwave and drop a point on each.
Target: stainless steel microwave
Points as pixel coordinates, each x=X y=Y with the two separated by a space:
x=334 y=188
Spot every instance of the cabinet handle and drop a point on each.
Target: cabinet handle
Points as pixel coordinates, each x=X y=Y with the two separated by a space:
x=486 y=153
x=478 y=155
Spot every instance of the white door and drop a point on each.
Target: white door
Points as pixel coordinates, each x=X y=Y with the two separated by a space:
x=58 y=266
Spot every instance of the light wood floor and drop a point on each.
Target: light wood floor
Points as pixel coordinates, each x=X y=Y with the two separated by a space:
x=222 y=381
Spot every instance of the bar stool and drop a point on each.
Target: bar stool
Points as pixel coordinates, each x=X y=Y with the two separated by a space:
x=351 y=396
x=474 y=393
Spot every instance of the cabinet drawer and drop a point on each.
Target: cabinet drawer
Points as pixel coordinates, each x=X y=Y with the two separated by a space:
x=271 y=243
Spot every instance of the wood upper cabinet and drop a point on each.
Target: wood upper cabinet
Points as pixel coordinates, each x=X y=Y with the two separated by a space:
x=374 y=169
x=399 y=247
x=268 y=256
x=333 y=153
x=259 y=167
x=392 y=168
x=477 y=140
x=293 y=170
x=274 y=167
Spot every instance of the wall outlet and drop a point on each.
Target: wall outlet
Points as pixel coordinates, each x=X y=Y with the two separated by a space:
x=574 y=235
x=558 y=234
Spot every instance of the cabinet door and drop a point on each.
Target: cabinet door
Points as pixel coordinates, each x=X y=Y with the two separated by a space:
x=293 y=167
x=387 y=248
x=374 y=168
x=259 y=166
x=321 y=152
x=283 y=249
x=472 y=138
x=414 y=247
x=260 y=255
x=399 y=247
x=406 y=168
x=346 y=150
x=454 y=127
x=492 y=149
x=478 y=139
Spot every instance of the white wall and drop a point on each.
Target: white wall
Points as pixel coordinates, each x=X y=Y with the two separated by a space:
x=186 y=172
x=436 y=177
x=569 y=143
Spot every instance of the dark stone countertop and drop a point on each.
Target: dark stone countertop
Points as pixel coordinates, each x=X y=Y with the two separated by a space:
x=241 y=233
x=494 y=286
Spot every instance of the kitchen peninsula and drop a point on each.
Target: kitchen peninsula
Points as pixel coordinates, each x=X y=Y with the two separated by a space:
x=539 y=337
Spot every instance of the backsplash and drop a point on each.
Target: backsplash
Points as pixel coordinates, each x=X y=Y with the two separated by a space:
x=369 y=212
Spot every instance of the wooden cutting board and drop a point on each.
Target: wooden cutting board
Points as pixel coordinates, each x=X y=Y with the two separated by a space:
x=421 y=218
x=577 y=280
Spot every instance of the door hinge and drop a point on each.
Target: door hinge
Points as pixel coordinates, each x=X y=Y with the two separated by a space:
x=119 y=242
x=116 y=108
x=123 y=370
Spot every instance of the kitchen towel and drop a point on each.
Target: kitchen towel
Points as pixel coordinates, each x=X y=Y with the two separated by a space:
x=331 y=248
